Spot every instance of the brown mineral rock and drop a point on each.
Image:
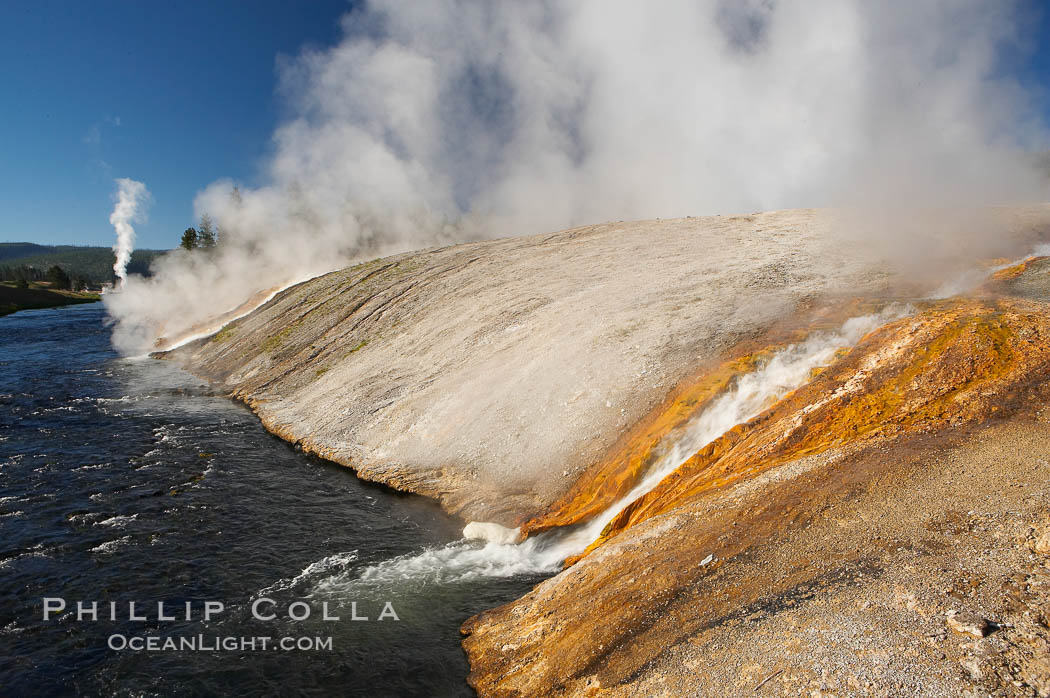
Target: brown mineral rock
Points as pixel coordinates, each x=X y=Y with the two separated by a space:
x=968 y=623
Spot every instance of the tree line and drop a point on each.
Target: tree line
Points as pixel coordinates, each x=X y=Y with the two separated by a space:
x=31 y=263
x=58 y=277
x=204 y=238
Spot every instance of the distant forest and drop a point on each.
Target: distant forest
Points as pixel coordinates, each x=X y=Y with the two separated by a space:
x=94 y=265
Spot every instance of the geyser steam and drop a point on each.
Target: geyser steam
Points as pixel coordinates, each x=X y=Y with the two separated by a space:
x=132 y=198
x=431 y=123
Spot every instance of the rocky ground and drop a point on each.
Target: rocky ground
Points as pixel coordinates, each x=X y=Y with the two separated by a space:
x=829 y=576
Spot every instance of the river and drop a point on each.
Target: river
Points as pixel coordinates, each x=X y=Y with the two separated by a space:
x=129 y=480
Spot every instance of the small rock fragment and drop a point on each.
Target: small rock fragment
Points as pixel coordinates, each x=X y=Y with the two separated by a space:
x=968 y=623
x=1041 y=544
x=972 y=668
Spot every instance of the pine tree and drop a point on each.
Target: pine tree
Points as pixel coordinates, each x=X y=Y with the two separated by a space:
x=206 y=234
x=189 y=239
x=58 y=278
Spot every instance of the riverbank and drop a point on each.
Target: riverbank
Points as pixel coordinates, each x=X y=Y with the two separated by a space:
x=13 y=299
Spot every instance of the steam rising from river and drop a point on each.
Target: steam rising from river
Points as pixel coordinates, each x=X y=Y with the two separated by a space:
x=437 y=122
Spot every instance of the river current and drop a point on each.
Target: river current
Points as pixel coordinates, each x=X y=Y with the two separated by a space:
x=128 y=480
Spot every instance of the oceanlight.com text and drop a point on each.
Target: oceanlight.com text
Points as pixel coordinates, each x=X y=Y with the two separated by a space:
x=215 y=643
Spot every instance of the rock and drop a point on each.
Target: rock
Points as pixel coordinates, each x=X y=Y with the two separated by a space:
x=972 y=668
x=968 y=623
x=1041 y=542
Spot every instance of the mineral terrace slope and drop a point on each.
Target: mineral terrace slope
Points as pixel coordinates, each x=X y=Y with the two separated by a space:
x=825 y=544
x=831 y=576
x=490 y=374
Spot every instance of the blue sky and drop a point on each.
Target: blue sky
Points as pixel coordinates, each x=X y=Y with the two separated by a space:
x=175 y=94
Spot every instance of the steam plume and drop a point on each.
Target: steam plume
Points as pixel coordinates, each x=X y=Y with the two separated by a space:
x=436 y=122
x=132 y=197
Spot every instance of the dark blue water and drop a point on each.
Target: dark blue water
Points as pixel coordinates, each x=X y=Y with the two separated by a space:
x=130 y=480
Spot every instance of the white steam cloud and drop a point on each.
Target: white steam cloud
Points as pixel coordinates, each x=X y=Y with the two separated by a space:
x=449 y=120
x=132 y=198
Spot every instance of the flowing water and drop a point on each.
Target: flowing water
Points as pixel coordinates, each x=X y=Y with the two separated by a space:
x=129 y=480
x=747 y=397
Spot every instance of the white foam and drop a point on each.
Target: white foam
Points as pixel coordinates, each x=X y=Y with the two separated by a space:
x=331 y=563
x=491 y=532
x=117 y=521
x=84 y=518
x=461 y=561
x=110 y=546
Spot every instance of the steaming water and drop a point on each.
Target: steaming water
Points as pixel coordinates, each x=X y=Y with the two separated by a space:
x=182 y=341
x=130 y=480
x=972 y=278
x=748 y=396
